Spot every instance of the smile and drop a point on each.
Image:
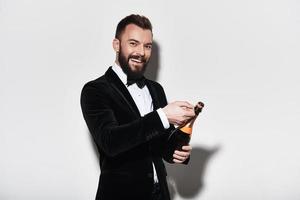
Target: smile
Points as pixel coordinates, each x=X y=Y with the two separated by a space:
x=136 y=60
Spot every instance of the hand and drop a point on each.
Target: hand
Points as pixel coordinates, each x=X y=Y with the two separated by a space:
x=181 y=156
x=179 y=112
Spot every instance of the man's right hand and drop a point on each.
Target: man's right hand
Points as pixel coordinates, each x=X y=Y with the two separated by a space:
x=179 y=112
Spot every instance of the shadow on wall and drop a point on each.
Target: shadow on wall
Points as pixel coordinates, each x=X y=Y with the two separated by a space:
x=154 y=63
x=187 y=180
x=184 y=180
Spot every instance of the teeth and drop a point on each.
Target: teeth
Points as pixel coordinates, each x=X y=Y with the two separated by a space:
x=135 y=60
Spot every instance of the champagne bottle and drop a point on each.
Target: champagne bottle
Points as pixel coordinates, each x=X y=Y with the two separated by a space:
x=181 y=136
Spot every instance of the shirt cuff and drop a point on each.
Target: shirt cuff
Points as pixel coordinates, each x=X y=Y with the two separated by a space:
x=163 y=118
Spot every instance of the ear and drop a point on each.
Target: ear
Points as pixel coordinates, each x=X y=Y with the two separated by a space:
x=116 y=45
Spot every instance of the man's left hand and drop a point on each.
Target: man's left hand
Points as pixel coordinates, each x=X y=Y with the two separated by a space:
x=181 y=156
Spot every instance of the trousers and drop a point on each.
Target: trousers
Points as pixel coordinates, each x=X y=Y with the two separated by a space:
x=156 y=192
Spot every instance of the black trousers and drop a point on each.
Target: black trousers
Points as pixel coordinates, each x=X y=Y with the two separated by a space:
x=156 y=192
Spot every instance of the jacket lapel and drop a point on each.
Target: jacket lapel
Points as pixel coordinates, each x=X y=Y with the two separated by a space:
x=121 y=90
x=154 y=95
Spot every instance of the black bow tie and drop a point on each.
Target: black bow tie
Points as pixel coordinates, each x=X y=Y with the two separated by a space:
x=140 y=82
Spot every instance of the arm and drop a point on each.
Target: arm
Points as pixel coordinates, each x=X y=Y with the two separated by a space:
x=114 y=138
x=168 y=153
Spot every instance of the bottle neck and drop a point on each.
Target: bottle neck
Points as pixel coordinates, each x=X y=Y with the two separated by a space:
x=188 y=127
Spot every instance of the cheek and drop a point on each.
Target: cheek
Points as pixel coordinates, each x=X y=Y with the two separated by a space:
x=148 y=55
x=129 y=53
x=126 y=56
x=126 y=51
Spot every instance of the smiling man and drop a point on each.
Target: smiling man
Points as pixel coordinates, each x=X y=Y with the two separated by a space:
x=130 y=119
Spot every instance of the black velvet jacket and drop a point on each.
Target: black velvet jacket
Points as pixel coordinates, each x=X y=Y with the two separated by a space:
x=127 y=143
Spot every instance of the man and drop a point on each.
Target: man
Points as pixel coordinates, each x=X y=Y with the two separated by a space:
x=130 y=120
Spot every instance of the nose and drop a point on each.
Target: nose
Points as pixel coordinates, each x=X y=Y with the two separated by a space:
x=141 y=50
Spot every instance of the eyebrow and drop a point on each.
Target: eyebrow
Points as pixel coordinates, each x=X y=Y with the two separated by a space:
x=149 y=43
x=134 y=40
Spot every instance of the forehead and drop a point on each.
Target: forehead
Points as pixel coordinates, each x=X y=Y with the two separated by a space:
x=135 y=32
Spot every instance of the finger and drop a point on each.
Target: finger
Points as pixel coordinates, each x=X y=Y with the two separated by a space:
x=182 y=153
x=189 y=112
x=177 y=161
x=187 y=108
x=182 y=122
x=178 y=123
x=178 y=157
x=188 y=115
x=185 y=104
x=187 y=148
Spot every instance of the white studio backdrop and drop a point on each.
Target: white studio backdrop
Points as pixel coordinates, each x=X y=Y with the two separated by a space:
x=241 y=58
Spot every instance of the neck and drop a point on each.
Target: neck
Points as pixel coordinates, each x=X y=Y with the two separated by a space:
x=117 y=62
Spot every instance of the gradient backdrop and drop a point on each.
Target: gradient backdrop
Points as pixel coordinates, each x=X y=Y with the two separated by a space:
x=239 y=57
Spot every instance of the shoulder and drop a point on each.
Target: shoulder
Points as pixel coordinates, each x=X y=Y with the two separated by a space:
x=97 y=87
x=98 y=82
x=101 y=82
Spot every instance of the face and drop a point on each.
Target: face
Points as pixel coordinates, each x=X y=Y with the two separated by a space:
x=133 y=50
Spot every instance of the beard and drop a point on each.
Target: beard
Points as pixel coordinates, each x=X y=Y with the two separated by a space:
x=129 y=70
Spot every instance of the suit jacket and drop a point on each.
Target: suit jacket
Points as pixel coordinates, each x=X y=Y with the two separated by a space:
x=127 y=143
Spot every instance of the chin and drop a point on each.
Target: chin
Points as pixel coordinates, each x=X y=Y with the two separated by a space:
x=137 y=69
x=136 y=73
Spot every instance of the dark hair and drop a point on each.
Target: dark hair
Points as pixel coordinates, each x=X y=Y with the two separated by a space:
x=139 y=20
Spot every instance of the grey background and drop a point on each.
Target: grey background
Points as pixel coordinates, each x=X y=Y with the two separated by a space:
x=239 y=57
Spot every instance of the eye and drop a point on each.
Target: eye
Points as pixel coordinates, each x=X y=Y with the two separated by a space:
x=133 y=44
x=149 y=46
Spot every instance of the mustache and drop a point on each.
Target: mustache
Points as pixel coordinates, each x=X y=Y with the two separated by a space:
x=138 y=57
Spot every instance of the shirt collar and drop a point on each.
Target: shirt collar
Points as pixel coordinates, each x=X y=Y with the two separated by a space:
x=117 y=69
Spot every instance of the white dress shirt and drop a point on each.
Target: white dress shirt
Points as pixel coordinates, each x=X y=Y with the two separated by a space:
x=143 y=101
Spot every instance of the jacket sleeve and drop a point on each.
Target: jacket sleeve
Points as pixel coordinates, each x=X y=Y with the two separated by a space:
x=110 y=136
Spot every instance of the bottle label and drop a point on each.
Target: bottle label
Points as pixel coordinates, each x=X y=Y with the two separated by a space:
x=186 y=129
